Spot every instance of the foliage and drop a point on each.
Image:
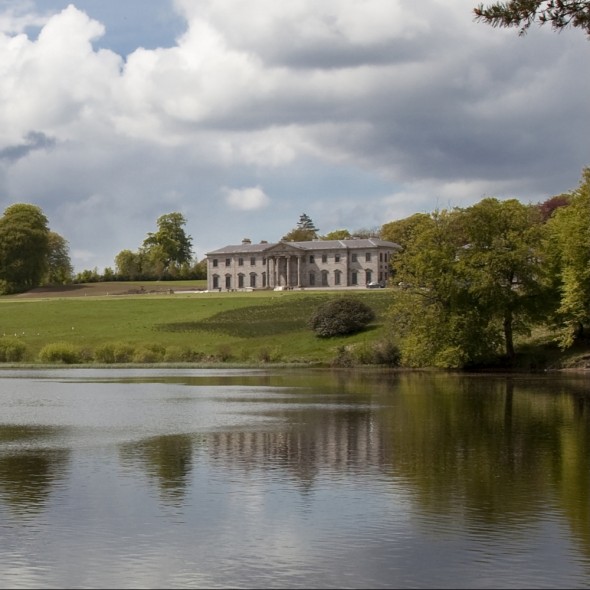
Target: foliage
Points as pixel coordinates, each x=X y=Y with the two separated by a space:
x=341 y=316
x=469 y=275
x=569 y=243
x=304 y=232
x=61 y=352
x=24 y=247
x=59 y=267
x=339 y=234
x=12 y=350
x=165 y=254
x=523 y=13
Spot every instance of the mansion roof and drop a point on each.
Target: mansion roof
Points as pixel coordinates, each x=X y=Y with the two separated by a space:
x=309 y=246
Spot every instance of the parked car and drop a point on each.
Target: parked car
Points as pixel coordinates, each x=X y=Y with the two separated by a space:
x=375 y=285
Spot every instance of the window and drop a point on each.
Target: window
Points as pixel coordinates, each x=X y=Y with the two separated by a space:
x=324 y=258
x=311 y=259
x=368 y=276
x=252 y=280
x=228 y=282
x=264 y=279
x=336 y=257
x=240 y=262
x=324 y=278
x=216 y=281
x=353 y=257
x=368 y=257
x=311 y=279
x=252 y=261
x=215 y=262
x=228 y=262
x=337 y=277
x=354 y=278
x=240 y=281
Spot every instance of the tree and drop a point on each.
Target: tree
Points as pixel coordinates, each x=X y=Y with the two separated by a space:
x=59 y=266
x=471 y=279
x=338 y=234
x=524 y=13
x=503 y=264
x=169 y=244
x=24 y=247
x=304 y=232
x=128 y=265
x=569 y=242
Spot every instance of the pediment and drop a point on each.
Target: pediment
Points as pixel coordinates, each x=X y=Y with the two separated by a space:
x=284 y=249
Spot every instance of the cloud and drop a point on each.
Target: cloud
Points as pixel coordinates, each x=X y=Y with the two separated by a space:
x=247 y=199
x=34 y=140
x=358 y=111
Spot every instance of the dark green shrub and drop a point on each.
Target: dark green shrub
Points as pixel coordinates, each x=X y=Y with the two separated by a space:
x=341 y=316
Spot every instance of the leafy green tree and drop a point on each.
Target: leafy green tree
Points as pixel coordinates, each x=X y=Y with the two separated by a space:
x=128 y=265
x=403 y=231
x=434 y=316
x=569 y=242
x=59 y=266
x=523 y=13
x=338 y=234
x=24 y=247
x=169 y=245
x=471 y=279
x=305 y=231
x=503 y=265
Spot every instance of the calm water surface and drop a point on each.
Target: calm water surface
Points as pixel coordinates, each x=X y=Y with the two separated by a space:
x=300 y=479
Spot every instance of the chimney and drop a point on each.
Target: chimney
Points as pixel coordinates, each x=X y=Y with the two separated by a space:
x=246 y=241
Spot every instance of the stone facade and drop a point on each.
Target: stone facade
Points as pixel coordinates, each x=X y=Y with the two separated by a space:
x=297 y=265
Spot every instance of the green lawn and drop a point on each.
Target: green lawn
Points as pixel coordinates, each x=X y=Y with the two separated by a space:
x=161 y=326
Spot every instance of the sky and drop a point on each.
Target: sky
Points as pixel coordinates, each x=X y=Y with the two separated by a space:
x=243 y=115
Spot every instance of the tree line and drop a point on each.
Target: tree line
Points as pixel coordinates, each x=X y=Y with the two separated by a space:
x=473 y=279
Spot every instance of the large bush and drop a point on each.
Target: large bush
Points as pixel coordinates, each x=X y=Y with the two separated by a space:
x=341 y=316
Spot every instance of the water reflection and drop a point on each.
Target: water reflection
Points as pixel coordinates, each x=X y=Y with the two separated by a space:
x=167 y=460
x=28 y=469
x=298 y=479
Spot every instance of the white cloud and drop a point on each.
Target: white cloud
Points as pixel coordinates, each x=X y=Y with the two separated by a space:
x=247 y=199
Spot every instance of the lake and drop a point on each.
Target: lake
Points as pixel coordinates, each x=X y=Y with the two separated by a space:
x=189 y=478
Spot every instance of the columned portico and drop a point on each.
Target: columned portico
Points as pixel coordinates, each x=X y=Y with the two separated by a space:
x=285 y=270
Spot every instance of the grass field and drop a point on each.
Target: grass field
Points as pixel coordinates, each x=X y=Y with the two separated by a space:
x=172 y=322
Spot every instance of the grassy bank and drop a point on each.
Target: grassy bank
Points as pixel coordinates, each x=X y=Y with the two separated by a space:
x=173 y=322
x=167 y=322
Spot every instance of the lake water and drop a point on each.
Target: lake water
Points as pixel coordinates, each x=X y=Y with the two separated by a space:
x=150 y=478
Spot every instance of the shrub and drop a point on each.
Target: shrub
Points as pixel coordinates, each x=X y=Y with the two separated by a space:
x=182 y=354
x=341 y=316
x=60 y=352
x=383 y=352
x=12 y=350
x=114 y=352
x=148 y=354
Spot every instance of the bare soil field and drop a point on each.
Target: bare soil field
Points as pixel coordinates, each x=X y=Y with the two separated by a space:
x=108 y=288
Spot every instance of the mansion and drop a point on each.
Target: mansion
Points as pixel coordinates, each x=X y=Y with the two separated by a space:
x=297 y=265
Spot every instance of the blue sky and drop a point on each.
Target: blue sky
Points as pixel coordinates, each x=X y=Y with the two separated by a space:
x=244 y=115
